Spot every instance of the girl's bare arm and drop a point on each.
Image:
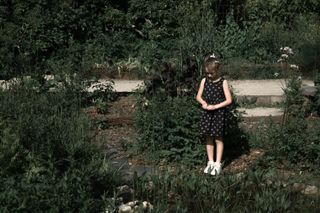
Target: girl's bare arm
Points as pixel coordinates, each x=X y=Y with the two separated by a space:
x=199 y=94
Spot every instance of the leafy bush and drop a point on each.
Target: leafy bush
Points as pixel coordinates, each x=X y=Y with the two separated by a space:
x=47 y=160
x=296 y=140
x=169 y=128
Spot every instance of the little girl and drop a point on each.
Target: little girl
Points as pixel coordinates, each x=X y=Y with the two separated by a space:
x=214 y=95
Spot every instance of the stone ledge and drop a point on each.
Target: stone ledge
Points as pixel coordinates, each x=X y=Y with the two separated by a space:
x=261 y=100
x=262 y=113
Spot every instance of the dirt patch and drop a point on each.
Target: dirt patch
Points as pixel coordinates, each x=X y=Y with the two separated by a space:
x=242 y=163
x=123 y=107
x=116 y=138
x=114 y=130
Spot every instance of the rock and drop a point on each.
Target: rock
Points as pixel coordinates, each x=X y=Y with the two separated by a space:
x=308 y=90
x=146 y=205
x=135 y=206
x=125 y=209
x=310 y=190
x=133 y=203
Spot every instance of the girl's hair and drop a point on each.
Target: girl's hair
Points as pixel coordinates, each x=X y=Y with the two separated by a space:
x=211 y=62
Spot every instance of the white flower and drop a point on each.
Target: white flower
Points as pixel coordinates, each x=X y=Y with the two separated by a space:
x=276 y=74
x=286 y=48
x=280 y=60
x=284 y=56
x=281 y=48
x=293 y=66
x=290 y=52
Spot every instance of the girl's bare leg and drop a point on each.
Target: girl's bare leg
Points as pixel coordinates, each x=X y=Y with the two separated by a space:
x=219 y=144
x=210 y=148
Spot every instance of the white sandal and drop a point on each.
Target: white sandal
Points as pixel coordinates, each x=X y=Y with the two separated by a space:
x=209 y=168
x=216 y=169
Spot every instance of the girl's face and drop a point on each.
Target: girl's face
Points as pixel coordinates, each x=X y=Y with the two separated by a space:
x=211 y=73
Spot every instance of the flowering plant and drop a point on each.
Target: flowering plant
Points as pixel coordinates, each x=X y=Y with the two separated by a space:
x=286 y=52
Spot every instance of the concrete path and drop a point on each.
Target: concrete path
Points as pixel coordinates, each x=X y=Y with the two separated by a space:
x=261 y=92
x=264 y=92
x=261 y=111
x=272 y=87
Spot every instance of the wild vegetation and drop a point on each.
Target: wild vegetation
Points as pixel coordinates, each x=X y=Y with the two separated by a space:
x=48 y=157
x=170 y=134
x=40 y=37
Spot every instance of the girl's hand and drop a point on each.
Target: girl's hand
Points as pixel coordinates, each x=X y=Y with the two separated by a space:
x=211 y=107
x=205 y=106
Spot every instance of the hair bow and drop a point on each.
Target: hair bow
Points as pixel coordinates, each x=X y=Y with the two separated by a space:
x=212 y=56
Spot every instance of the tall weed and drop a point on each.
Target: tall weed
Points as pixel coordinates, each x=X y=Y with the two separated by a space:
x=186 y=191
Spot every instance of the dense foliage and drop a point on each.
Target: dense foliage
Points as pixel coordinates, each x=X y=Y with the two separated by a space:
x=76 y=36
x=47 y=158
x=168 y=128
x=169 y=132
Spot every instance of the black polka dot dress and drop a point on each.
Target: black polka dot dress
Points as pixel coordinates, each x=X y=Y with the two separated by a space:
x=212 y=122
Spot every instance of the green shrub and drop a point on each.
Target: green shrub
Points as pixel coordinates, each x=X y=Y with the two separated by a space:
x=169 y=128
x=48 y=162
x=296 y=140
